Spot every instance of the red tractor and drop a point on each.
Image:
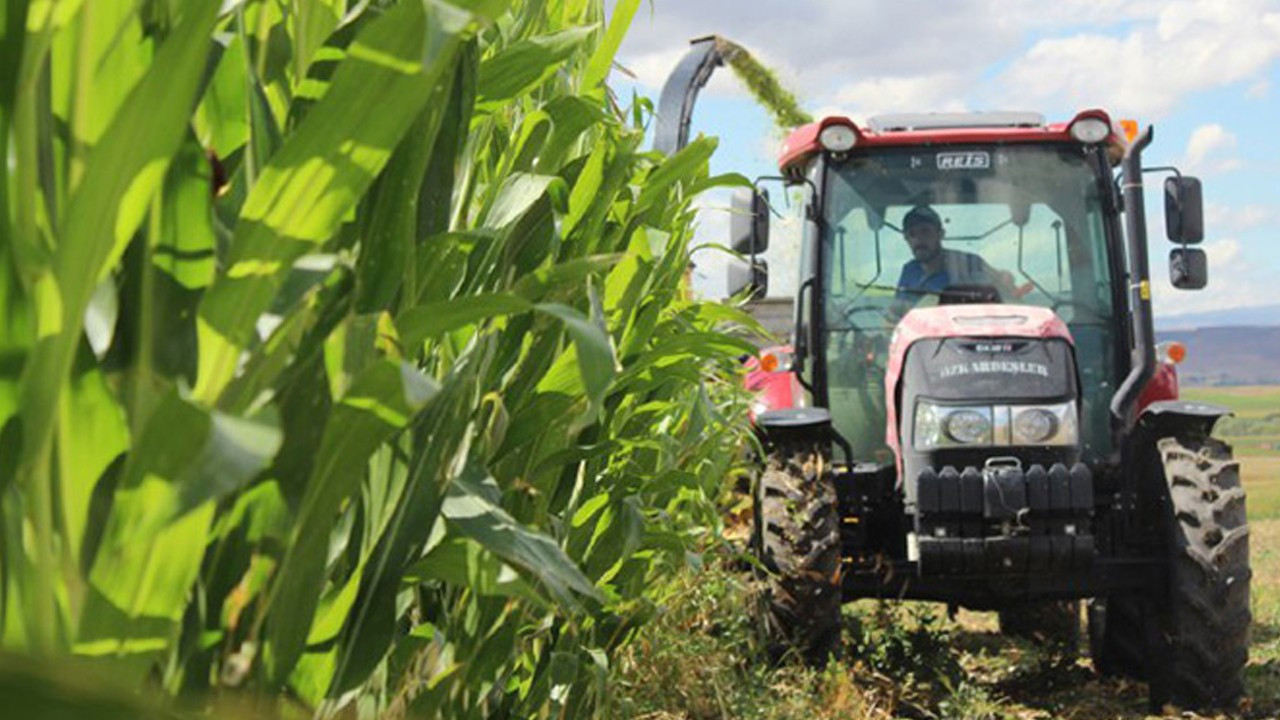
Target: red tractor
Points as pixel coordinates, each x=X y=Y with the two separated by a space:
x=974 y=410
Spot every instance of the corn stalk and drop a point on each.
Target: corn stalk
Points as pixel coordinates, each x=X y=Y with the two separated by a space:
x=346 y=358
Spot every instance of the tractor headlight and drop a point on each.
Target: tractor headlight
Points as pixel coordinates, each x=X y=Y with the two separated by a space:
x=1090 y=130
x=838 y=138
x=968 y=427
x=941 y=426
x=1044 y=425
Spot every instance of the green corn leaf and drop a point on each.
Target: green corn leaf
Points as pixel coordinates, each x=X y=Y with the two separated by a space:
x=689 y=163
x=596 y=359
x=467 y=509
x=602 y=59
x=126 y=166
x=221 y=120
x=323 y=169
x=526 y=64
x=372 y=626
x=13 y=34
x=313 y=22
x=92 y=433
x=185 y=250
x=151 y=547
x=571 y=117
x=381 y=401
x=436 y=197
x=564 y=278
x=16 y=337
x=435 y=319
x=719 y=181
x=389 y=241
x=519 y=193
x=586 y=190
x=278 y=360
x=463 y=562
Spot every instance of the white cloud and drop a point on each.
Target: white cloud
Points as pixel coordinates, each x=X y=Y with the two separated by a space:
x=1259 y=90
x=651 y=69
x=1223 y=253
x=939 y=92
x=1134 y=56
x=1234 y=282
x=822 y=45
x=1193 y=45
x=1211 y=149
x=1223 y=219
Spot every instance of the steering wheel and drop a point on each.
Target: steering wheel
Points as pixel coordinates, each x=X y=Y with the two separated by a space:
x=965 y=293
x=851 y=311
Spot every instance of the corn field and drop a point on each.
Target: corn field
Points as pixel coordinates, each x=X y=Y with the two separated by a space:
x=347 y=363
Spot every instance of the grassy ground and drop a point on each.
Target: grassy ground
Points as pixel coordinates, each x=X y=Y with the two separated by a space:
x=701 y=658
x=1254 y=429
x=1244 y=400
x=702 y=661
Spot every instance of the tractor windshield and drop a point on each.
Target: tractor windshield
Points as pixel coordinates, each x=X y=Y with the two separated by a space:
x=912 y=227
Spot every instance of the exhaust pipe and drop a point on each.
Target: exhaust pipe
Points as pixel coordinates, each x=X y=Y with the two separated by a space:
x=1144 y=334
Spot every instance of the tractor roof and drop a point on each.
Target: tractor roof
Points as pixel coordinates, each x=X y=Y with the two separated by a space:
x=905 y=130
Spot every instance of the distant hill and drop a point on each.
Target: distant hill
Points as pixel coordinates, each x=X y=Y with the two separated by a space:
x=1235 y=355
x=1226 y=347
x=1260 y=315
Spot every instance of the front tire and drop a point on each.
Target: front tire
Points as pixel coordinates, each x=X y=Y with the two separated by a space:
x=798 y=535
x=1190 y=638
x=1208 y=608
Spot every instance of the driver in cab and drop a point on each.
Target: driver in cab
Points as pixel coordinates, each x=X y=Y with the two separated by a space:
x=934 y=268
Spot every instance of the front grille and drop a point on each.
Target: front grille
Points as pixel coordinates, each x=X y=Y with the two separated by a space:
x=1002 y=519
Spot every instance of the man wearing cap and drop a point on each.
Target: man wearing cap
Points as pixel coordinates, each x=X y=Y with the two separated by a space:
x=934 y=268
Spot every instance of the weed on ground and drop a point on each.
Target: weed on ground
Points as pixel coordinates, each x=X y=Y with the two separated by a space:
x=702 y=659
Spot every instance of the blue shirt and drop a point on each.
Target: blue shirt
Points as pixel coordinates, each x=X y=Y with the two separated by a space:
x=966 y=267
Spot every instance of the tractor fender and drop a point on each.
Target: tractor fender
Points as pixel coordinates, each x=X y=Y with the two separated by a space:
x=776 y=389
x=1178 y=418
x=1162 y=386
x=778 y=427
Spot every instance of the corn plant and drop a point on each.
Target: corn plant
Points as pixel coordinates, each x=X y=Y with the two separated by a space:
x=346 y=357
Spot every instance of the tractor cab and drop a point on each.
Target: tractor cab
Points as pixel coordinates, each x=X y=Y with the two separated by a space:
x=913 y=212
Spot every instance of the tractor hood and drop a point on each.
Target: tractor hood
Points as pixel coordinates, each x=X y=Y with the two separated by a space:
x=981 y=357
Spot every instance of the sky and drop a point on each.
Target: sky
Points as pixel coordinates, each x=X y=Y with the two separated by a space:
x=1205 y=73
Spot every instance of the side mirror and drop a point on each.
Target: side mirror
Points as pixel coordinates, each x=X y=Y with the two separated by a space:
x=744 y=275
x=1188 y=269
x=749 y=221
x=1183 y=209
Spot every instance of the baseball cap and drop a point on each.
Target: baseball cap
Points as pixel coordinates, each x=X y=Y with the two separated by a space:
x=921 y=214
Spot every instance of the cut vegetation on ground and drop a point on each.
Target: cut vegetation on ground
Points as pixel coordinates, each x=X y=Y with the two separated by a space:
x=702 y=658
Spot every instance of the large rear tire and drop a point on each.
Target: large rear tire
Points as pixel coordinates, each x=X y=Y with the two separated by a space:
x=1194 y=654
x=798 y=536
